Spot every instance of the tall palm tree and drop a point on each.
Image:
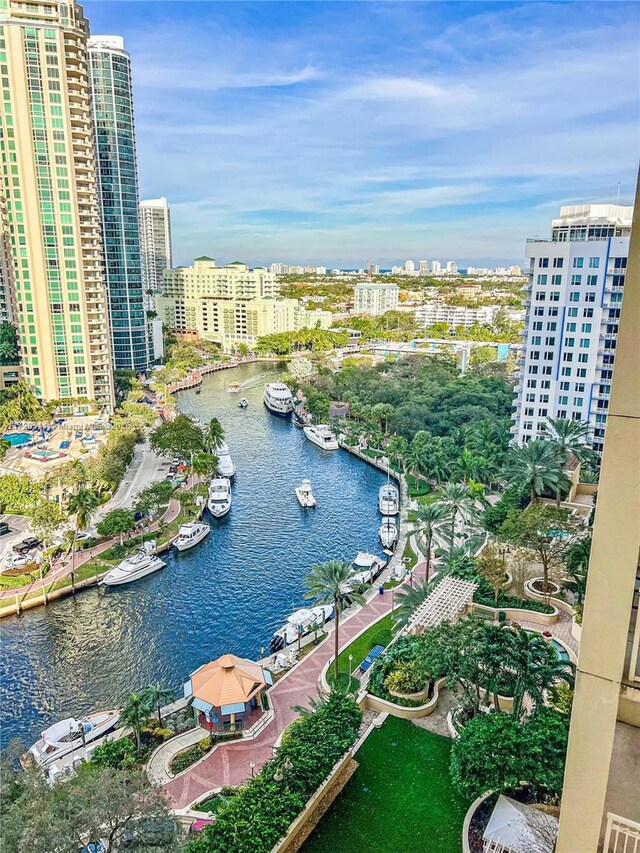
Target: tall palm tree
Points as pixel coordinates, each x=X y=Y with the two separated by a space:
x=438 y=468
x=569 y=437
x=430 y=520
x=328 y=583
x=215 y=434
x=135 y=714
x=156 y=695
x=416 y=459
x=408 y=601
x=536 y=465
x=458 y=501
x=537 y=668
x=83 y=504
x=466 y=466
x=397 y=449
x=203 y=464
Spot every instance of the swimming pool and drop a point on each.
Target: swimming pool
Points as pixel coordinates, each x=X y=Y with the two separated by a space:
x=15 y=439
x=45 y=455
x=562 y=653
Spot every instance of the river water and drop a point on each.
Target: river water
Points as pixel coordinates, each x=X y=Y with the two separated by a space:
x=227 y=594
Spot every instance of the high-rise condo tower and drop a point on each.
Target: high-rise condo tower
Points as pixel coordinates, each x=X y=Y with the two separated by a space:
x=155 y=242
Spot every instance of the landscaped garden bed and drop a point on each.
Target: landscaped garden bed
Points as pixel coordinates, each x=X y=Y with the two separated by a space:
x=378 y=634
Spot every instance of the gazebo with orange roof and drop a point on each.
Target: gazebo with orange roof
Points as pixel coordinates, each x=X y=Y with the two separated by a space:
x=226 y=691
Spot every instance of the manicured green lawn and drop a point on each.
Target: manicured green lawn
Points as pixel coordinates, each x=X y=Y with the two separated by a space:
x=379 y=634
x=399 y=799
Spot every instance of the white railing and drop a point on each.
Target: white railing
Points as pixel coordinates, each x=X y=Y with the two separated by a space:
x=491 y=846
x=622 y=835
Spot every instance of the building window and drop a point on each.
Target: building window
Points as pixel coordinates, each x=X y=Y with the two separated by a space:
x=571 y=327
x=576 y=280
x=555 y=296
x=578 y=263
x=541 y=295
x=574 y=296
x=543 y=262
x=589 y=297
x=556 y=280
x=573 y=312
x=584 y=343
x=592 y=280
x=594 y=263
x=558 y=263
x=587 y=312
x=569 y=342
x=542 y=279
x=586 y=327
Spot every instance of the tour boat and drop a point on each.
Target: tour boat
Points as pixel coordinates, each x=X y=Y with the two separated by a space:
x=132 y=569
x=305 y=495
x=321 y=435
x=219 y=502
x=388 y=533
x=277 y=398
x=226 y=467
x=190 y=534
x=388 y=500
x=234 y=387
x=67 y=735
x=243 y=403
x=299 y=624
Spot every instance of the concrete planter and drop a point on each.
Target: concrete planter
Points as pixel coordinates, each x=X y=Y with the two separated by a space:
x=505 y=703
x=516 y=614
x=467 y=820
x=552 y=598
x=414 y=697
x=375 y=703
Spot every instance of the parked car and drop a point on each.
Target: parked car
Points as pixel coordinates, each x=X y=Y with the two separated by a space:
x=27 y=545
x=4 y=528
x=170 y=476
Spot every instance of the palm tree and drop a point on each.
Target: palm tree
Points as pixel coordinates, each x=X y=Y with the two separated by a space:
x=466 y=466
x=569 y=437
x=135 y=714
x=537 y=668
x=203 y=464
x=397 y=449
x=430 y=520
x=185 y=499
x=409 y=600
x=83 y=505
x=457 y=500
x=416 y=459
x=156 y=695
x=438 y=468
x=215 y=434
x=328 y=583
x=537 y=465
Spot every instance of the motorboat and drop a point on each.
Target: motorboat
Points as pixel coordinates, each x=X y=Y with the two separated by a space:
x=305 y=495
x=68 y=735
x=388 y=533
x=299 y=624
x=364 y=569
x=226 y=466
x=132 y=569
x=190 y=534
x=243 y=403
x=322 y=436
x=278 y=399
x=389 y=499
x=219 y=502
x=234 y=387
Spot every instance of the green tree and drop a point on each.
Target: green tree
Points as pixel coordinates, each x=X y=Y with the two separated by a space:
x=203 y=464
x=150 y=500
x=570 y=439
x=9 y=353
x=215 y=435
x=179 y=436
x=135 y=714
x=83 y=505
x=18 y=494
x=458 y=502
x=156 y=695
x=397 y=449
x=490 y=567
x=46 y=520
x=430 y=520
x=117 y=522
x=537 y=668
x=328 y=583
x=536 y=465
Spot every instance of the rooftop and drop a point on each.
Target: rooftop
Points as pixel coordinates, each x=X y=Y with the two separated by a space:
x=228 y=680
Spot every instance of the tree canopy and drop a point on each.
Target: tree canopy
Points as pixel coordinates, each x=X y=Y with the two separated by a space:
x=179 y=436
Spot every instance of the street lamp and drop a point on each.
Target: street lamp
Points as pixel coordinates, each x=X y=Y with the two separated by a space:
x=252 y=765
x=350 y=669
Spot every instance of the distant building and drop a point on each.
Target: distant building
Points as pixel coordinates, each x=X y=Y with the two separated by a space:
x=472 y=291
x=409 y=267
x=452 y=267
x=436 y=267
x=155 y=243
x=455 y=315
x=574 y=296
x=423 y=267
x=375 y=299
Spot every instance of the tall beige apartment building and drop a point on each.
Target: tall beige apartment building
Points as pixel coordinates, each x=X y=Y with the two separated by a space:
x=601 y=796
x=49 y=181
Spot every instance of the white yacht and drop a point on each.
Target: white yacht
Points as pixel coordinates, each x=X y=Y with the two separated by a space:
x=388 y=533
x=67 y=735
x=190 y=534
x=278 y=399
x=219 y=502
x=299 y=624
x=305 y=495
x=366 y=567
x=132 y=569
x=226 y=466
x=321 y=435
x=388 y=500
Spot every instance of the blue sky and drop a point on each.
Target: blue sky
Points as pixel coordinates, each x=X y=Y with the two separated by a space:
x=335 y=132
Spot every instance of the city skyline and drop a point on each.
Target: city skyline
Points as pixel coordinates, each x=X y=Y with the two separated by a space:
x=403 y=140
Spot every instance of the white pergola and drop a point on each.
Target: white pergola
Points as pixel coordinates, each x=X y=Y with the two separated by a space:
x=444 y=604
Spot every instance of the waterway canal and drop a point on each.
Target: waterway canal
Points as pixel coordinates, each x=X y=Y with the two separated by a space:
x=227 y=594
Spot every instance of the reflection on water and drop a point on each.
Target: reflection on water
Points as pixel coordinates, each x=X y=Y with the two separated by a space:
x=226 y=594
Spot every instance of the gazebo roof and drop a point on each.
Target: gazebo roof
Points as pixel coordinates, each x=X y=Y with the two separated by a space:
x=227 y=681
x=443 y=604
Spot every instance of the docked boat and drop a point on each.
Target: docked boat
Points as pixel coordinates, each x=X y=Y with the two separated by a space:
x=190 y=534
x=322 y=436
x=234 y=387
x=219 y=502
x=226 y=466
x=132 y=569
x=388 y=500
x=365 y=568
x=299 y=624
x=68 y=735
x=388 y=533
x=243 y=403
x=278 y=399
x=305 y=495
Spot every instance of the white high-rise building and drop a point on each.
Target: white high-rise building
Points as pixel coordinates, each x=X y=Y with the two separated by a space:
x=155 y=242
x=574 y=294
x=375 y=299
x=452 y=267
x=436 y=267
x=409 y=267
x=423 y=267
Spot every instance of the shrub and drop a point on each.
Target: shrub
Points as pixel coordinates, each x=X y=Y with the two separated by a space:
x=189 y=756
x=261 y=812
x=115 y=753
x=407 y=677
x=407 y=651
x=206 y=743
x=117 y=552
x=513 y=497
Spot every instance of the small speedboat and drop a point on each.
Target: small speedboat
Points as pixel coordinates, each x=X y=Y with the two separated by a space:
x=190 y=534
x=305 y=495
x=132 y=569
x=226 y=466
x=66 y=736
x=322 y=436
x=299 y=624
x=388 y=533
x=219 y=502
x=243 y=403
x=364 y=570
x=234 y=387
x=388 y=500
